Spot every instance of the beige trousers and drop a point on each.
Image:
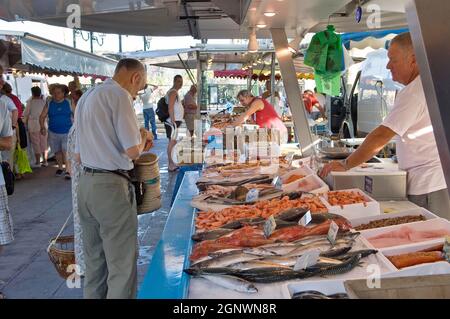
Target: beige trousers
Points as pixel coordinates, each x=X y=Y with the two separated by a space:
x=108 y=218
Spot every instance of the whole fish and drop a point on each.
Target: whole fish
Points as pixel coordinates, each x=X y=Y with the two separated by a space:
x=341 y=247
x=225 y=260
x=333 y=270
x=255 y=264
x=364 y=253
x=257 y=275
x=311 y=239
x=212 y=234
x=271 y=275
x=196 y=271
x=293 y=214
x=232 y=282
x=310 y=294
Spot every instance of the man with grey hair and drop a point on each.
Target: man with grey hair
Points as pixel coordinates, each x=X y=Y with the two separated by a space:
x=410 y=122
x=107 y=140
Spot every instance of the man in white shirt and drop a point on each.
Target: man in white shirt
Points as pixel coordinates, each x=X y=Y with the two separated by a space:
x=410 y=122
x=148 y=103
x=107 y=140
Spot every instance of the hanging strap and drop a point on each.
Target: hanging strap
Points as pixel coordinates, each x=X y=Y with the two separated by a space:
x=60 y=232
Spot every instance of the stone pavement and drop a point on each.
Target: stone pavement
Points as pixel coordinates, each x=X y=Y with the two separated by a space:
x=40 y=205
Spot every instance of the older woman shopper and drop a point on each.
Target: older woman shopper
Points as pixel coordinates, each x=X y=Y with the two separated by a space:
x=74 y=169
x=34 y=107
x=59 y=114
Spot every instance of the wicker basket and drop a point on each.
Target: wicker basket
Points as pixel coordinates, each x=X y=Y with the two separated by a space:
x=62 y=254
x=147 y=170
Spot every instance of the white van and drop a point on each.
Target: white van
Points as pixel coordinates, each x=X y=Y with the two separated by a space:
x=376 y=91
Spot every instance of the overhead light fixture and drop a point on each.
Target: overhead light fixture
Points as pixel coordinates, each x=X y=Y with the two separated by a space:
x=252 y=41
x=261 y=25
x=269 y=14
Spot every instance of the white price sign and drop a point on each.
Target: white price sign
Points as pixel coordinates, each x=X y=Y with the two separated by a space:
x=332 y=232
x=306 y=219
x=306 y=260
x=269 y=226
x=277 y=183
x=252 y=195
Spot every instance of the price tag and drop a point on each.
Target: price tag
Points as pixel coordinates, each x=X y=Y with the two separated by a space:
x=368 y=184
x=306 y=260
x=332 y=232
x=277 y=183
x=269 y=226
x=289 y=158
x=305 y=220
x=252 y=195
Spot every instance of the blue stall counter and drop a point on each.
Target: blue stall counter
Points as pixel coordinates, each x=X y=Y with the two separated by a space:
x=165 y=278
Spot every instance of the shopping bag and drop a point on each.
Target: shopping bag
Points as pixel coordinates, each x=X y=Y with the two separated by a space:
x=329 y=84
x=21 y=160
x=325 y=53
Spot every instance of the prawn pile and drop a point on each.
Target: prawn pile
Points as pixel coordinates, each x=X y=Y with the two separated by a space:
x=341 y=198
x=263 y=209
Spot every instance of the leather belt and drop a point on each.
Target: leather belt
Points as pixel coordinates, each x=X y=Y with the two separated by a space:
x=95 y=170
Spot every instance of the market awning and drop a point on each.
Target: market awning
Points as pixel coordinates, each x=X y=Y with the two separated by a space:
x=373 y=39
x=35 y=54
x=45 y=54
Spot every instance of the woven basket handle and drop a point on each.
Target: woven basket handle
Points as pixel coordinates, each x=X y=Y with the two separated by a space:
x=60 y=232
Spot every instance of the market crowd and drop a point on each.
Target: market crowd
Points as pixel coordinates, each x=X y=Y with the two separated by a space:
x=39 y=123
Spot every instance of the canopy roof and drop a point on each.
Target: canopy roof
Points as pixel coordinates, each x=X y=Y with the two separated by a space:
x=28 y=52
x=226 y=19
x=214 y=57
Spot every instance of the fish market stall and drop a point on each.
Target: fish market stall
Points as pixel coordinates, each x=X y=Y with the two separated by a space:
x=228 y=251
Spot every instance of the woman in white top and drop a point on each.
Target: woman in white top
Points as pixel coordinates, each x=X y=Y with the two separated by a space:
x=33 y=110
x=176 y=115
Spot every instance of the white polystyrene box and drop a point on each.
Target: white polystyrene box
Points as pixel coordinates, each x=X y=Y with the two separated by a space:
x=413 y=212
x=353 y=211
x=432 y=224
x=311 y=184
x=392 y=251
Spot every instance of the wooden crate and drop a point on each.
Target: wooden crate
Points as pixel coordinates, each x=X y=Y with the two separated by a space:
x=413 y=287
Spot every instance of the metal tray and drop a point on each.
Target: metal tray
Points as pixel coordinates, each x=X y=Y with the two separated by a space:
x=336 y=152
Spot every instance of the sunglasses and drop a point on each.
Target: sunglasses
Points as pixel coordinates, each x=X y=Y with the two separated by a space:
x=143 y=89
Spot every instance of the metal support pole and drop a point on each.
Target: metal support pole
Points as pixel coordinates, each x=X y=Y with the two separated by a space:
x=272 y=80
x=120 y=43
x=199 y=82
x=74 y=38
x=186 y=68
x=299 y=117
x=91 y=39
x=430 y=30
x=249 y=80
